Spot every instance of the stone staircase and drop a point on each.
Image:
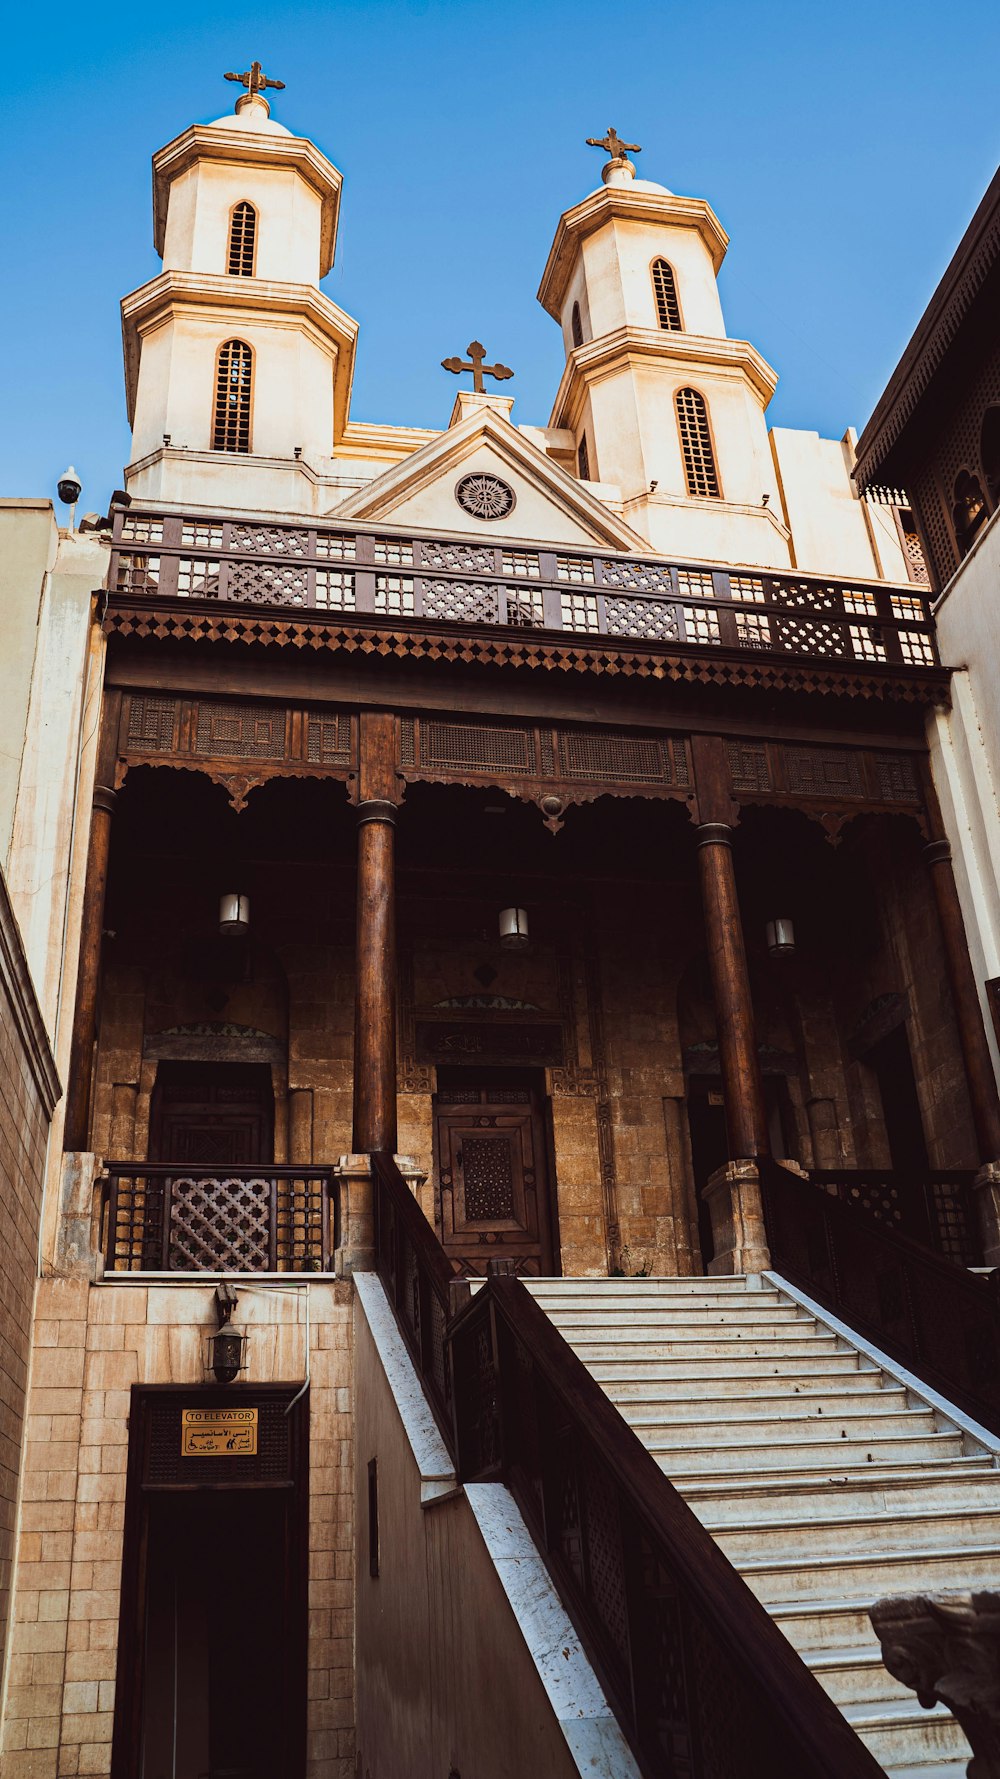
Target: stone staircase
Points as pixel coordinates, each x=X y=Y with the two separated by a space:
x=826 y=1482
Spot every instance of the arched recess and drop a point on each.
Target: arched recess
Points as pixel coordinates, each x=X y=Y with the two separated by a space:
x=969 y=510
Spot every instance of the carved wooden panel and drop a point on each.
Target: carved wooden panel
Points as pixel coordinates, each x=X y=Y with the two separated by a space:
x=822 y=774
x=488 y=1042
x=239 y=742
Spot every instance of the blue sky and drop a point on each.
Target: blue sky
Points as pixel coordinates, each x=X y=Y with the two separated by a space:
x=843 y=147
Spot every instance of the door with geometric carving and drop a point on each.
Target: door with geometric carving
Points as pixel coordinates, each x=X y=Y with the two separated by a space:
x=493 y=1178
x=217 y=1113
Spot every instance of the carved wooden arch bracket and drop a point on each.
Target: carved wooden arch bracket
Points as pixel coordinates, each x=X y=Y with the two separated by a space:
x=833 y=821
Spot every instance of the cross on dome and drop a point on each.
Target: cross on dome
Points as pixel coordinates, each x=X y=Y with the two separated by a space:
x=618 y=150
x=474 y=363
x=255 y=81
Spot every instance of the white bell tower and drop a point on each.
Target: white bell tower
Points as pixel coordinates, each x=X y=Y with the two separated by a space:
x=238 y=369
x=664 y=407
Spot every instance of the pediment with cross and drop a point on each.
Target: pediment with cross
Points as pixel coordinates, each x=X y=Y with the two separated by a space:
x=484 y=476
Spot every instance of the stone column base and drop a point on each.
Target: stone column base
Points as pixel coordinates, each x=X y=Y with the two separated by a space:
x=987 y=1190
x=733 y=1198
x=78 y=1253
x=356 y=1252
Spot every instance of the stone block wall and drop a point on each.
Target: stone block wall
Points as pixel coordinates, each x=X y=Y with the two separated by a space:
x=92 y=1343
x=28 y=1092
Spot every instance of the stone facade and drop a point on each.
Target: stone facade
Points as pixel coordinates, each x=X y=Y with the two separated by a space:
x=92 y=1343
x=30 y=1089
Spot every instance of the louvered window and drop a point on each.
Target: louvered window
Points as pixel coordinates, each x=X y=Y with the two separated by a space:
x=696 y=444
x=242 y=240
x=668 y=309
x=233 y=388
x=583 y=459
x=576 y=325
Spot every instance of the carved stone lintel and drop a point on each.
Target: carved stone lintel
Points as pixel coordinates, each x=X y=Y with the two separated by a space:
x=946 y=1648
x=987 y=1190
x=738 y=1235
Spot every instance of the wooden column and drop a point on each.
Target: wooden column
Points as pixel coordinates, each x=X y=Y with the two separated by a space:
x=742 y=1089
x=968 y=1009
x=375 y=995
x=76 y=1135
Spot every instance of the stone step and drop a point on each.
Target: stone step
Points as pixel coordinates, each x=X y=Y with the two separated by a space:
x=782 y=1429
x=856 y=1676
x=759 y=1407
x=812 y=1537
x=724 y=1501
x=825 y=1624
x=776 y=1362
x=901 y=1570
x=639 y=1349
x=693 y=1316
x=695 y=1284
x=831 y=1377
x=802 y=1453
x=895 y=1733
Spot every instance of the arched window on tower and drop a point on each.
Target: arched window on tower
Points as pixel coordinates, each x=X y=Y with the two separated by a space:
x=668 y=309
x=233 y=391
x=989 y=452
x=576 y=325
x=242 y=241
x=700 y=472
x=969 y=510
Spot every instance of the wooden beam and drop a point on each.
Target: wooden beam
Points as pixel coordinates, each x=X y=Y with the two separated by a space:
x=375 y=993
x=77 y=1127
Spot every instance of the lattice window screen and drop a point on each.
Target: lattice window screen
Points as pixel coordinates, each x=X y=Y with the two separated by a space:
x=668 y=309
x=233 y=385
x=696 y=444
x=242 y=241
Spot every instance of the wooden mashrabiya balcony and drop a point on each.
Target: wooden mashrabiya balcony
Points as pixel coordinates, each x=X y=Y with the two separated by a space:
x=175 y=1217
x=350 y=577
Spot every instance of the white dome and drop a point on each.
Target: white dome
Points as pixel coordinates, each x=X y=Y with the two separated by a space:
x=252 y=117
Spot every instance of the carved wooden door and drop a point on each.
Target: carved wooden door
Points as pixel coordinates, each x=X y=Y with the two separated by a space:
x=493 y=1179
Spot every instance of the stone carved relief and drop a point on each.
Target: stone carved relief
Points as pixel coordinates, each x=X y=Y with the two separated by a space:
x=946 y=1647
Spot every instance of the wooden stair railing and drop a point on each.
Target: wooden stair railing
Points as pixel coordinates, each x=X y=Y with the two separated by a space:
x=702 y=1682
x=937 y=1318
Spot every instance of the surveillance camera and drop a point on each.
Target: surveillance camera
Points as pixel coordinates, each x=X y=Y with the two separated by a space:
x=69 y=486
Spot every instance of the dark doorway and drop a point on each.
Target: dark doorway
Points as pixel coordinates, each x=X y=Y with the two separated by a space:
x=492 y=1150
x=219 y=1113
x=213 y=1634
x=904 y=1129
x=212 y=1647
x=709 y=1146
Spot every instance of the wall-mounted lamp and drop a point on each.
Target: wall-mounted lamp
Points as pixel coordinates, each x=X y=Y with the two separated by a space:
x=227 y=1348
x=234 y=916
x=780 y=936
x=513 y=928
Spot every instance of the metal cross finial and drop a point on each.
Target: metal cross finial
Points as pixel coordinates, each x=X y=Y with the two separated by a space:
x=255 y=80
x=475 y=364
x=613 y=145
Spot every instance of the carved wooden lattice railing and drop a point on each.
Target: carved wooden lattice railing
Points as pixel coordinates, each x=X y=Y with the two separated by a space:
x=934 y=1207
x=357 y=574
x=940 y=1320
x=702 y=1682
x=162 y=1218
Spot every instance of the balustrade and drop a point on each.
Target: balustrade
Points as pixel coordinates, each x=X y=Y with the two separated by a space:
x=177 y=1218
x=361 y=576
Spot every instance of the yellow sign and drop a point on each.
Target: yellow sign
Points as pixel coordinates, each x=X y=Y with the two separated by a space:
x=218 y=1432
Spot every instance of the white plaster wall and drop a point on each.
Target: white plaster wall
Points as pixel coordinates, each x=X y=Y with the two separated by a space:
x=536 y=515
x=827 y=520
x=288 y=220
x=617 y=260
x=444 y=1678
x=28 y=540
x=293 y=380
x=44 y=853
